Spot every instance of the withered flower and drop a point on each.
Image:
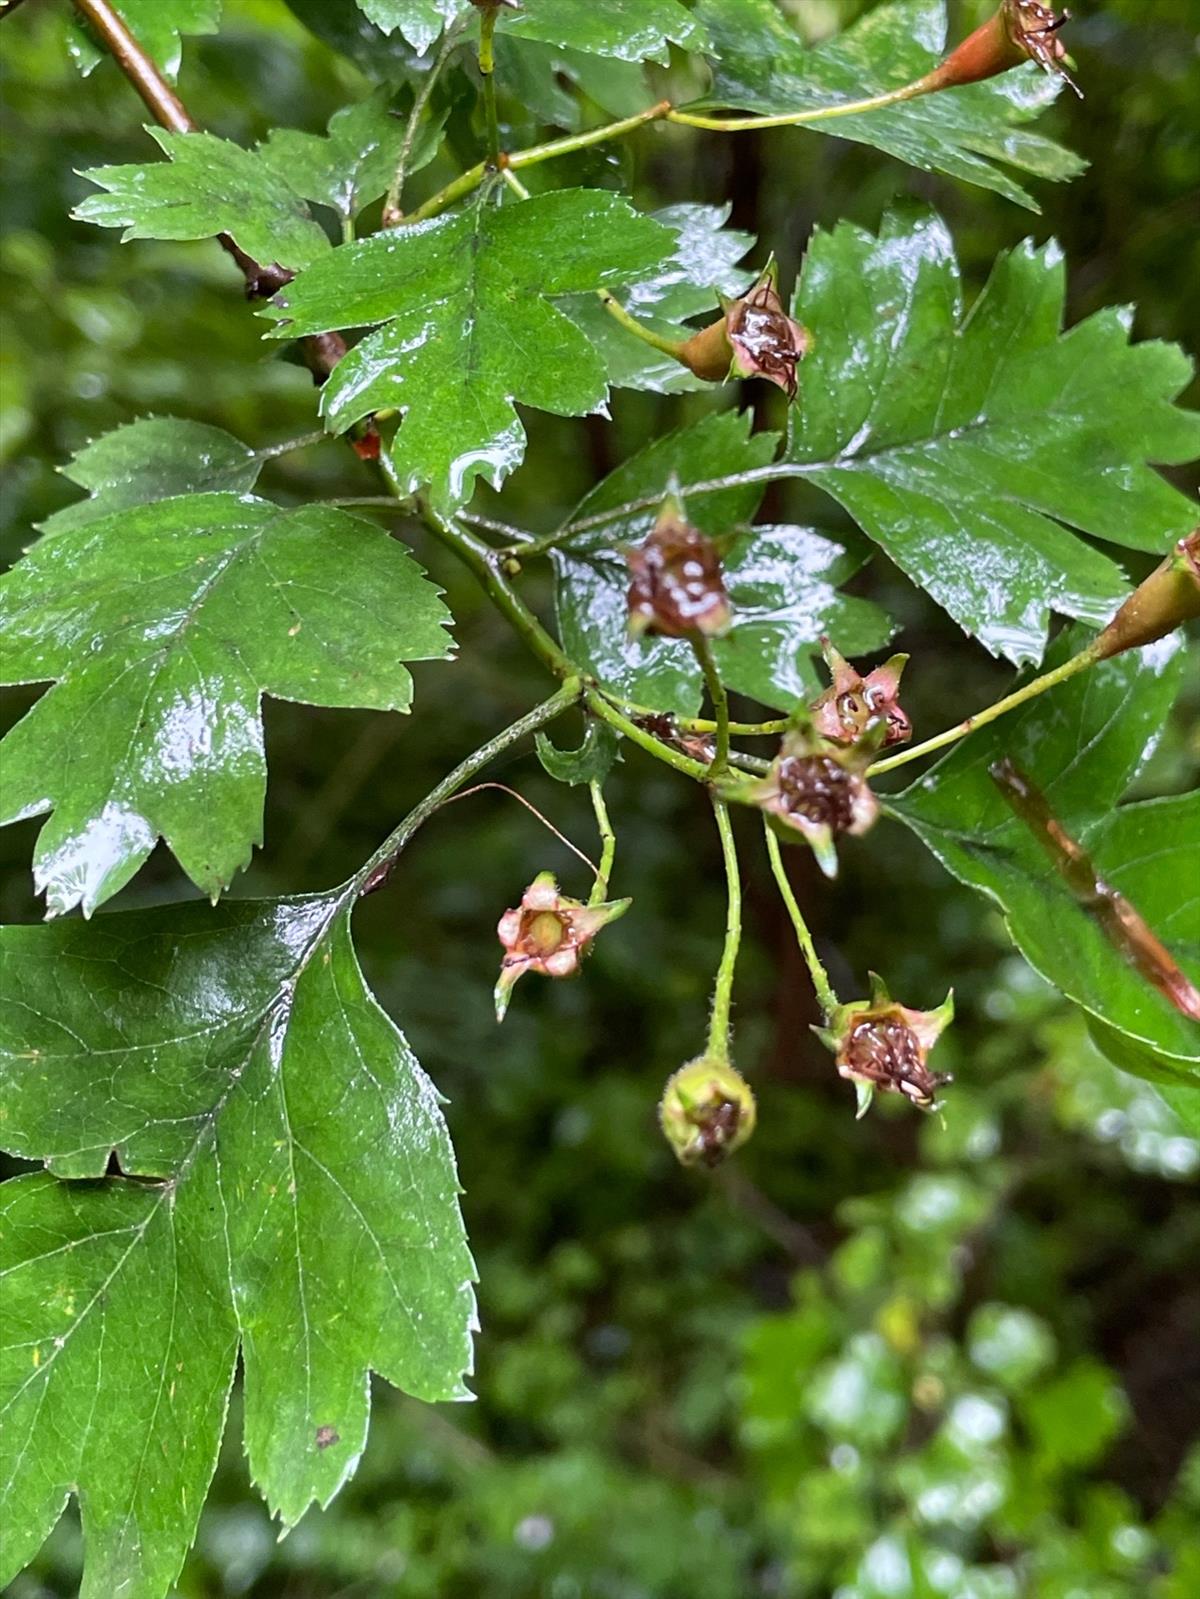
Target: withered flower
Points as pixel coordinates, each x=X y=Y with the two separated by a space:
x=881 y=1045
x=754 y=338
x=819 y=788
x=548 y=933
x=1021 y=30
x=678 y=587
x=707 y=1111
x=1169 y=597
x=846 y=709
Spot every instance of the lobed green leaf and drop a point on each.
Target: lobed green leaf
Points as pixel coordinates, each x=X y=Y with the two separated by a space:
x=161 y=627
x=762 y=66
x=1082 y=744
x=287 y=1183
x=963 y=443
x=208 y=186
x=468 y=327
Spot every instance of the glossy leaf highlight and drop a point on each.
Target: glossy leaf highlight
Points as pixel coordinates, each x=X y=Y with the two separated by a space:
x=161 y=627
x=762 y=66
x=468 y=327
x=297 y=1192
x=962 y=443
x=783 y=581
x=1082 y=744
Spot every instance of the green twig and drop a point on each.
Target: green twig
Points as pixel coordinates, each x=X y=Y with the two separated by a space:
x=793 y=119
x=608 y=846
x=392 y=212
x=826 y=997
x=722 y=1003
x=474 y=176
x=720 y=704
x=487 y=71
x=607 y=712
x=1078 y=663
x=374 y=873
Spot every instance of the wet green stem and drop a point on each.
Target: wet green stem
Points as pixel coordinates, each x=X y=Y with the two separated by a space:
x=1078 y=663
x=474 y=176
x=487 y=71
x=639 y=330
x=702 y=649
x=796 y=119
x=392 y=213
x=608 y=846
x=374 y=873
x=826 y=997
x=722 y=1003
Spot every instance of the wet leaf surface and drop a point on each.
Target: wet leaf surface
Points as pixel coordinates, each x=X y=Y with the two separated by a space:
x=154 y=458
x=762 y=66
x=354 y=161
x=157 y=24
x=1082 y=743
x=297 y=1193
x=963 y=444
x=783 y=581
x=469 y=327
x=207 y=186
x=162 y=626
x=627 y=30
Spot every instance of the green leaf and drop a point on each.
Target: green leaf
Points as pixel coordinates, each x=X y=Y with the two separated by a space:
x=296 y=1191
x=782 y=580
x=1082 y=744
x=761 y=66
x=590 y=763
x=628 y=30
x=156 y=24
x=208 y=186
x=163 y=626
x=531 y=74
x=420 y=21
x=341 y=25
x=704 y=267
x=469 y=328
x=354 y=162
x=962 y=443
x=154 y=458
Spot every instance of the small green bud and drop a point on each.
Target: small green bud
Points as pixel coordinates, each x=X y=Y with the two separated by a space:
x=707 y=1111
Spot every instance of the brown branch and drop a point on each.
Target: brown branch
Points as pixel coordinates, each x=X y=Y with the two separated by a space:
x=321 y=353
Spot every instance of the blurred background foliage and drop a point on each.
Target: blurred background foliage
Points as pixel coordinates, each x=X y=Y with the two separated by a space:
x=868 y=1360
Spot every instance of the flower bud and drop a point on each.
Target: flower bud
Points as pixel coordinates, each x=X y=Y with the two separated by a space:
x=819 y=788
x=1169 y=597
x=852 y=702
x=882 y=1045
x=678 y=587
x=707 y=1111
x=1021 y=30
x=548 y=933
x=755 y=338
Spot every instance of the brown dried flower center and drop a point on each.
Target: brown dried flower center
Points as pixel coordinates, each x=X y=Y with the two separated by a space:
x=884 y=1049
x=817 y=788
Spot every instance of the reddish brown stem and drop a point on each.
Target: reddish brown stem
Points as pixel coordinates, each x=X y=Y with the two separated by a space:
x=168 y=110
x=1117 y=919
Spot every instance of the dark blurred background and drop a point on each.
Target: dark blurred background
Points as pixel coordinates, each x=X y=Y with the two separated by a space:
x=867 y=1360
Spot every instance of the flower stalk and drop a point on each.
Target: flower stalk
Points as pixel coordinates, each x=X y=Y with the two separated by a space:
x=720 y=1026
x=826 y=997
